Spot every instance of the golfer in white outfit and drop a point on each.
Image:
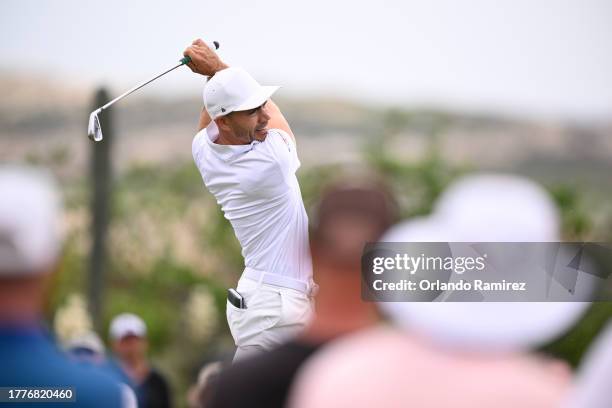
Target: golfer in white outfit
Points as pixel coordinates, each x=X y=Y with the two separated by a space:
x=247 y=156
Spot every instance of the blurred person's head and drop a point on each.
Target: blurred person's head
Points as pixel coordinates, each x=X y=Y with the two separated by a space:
x=349 y=215
x=494 y=207
x=486 y=208
x=199 y=394
x=128 y=334
x=86 y=347
x=87 y=342
x=30 y=240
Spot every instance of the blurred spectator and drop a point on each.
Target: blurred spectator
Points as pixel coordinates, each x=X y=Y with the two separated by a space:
x=486 y=208
x=87 y=348
x=198 y=393
x=348 y=217
x=455 y=354
x=386 y=368
x=128 y=333
x=30 y=245
x=592 y=386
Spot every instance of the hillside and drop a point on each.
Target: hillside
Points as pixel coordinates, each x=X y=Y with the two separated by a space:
x=41 y=118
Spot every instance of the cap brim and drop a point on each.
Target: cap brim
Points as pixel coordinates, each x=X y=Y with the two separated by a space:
x=128 y=333
x=487 y=326
x=483 y=326
x=258 y=99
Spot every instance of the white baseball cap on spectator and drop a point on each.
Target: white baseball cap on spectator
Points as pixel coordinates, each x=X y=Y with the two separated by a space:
x=127 y=324
x=88 y=340
x=30 y=224
x=497 y=207
x=233 y=89
x=486 y=208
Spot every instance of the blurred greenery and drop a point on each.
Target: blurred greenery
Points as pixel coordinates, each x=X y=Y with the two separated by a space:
x=168 y=236
x=573 y=344
x=576 y=224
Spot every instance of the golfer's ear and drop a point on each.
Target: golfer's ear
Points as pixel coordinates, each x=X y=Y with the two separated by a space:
x=222 y=123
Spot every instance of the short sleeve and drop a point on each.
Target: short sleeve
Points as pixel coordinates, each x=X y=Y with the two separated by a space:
x=284 y=150
x=197 y=146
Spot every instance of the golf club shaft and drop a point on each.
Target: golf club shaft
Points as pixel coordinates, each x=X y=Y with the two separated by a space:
x=137 y=87
x=186 y=60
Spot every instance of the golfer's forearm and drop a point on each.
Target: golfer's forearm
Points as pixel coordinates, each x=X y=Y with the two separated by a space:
x=204 y=119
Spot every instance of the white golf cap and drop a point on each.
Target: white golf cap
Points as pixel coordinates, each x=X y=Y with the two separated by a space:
x=30 y=231
x=486 y=208
x=127 y=324
x=234 y=89
x=88 y=340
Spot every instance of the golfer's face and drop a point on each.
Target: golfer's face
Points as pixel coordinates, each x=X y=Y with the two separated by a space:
x=251 y=124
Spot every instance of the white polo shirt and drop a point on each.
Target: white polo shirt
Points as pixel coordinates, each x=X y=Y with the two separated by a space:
x=259 y=194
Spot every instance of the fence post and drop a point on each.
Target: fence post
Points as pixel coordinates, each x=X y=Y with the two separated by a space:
x=101 y=179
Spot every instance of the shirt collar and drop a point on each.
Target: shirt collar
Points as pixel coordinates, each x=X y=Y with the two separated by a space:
x=225 y=152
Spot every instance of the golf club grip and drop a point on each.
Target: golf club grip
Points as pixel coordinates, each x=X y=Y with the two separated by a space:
x=214 y=45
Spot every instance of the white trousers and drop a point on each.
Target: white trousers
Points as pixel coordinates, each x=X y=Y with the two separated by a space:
x=273 y=315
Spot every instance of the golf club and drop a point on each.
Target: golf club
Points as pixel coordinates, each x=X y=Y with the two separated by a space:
x=94 y=129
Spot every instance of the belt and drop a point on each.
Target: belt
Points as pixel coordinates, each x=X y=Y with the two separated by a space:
x=309 y=288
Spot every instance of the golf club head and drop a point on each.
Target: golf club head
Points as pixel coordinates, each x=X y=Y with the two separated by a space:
x=94 y=129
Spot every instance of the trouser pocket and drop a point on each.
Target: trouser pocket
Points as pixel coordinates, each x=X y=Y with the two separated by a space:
x=248 y=326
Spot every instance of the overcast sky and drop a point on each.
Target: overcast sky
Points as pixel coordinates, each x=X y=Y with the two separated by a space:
x=548 y=58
